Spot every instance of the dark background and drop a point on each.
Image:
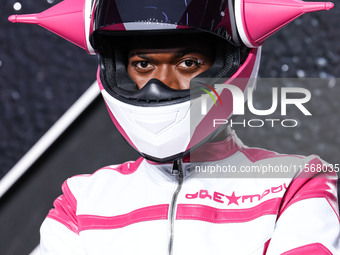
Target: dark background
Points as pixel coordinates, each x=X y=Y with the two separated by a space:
x=42 y=75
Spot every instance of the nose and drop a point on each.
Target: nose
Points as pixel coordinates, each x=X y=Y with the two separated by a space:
x=168 y=76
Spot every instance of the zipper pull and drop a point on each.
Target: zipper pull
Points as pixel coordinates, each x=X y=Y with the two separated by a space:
x=177 y=167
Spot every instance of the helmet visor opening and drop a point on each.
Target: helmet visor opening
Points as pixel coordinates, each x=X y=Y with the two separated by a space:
x=115 y=48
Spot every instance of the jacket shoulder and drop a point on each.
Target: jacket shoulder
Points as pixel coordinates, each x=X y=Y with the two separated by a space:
x=85 y=182
x=256 y=154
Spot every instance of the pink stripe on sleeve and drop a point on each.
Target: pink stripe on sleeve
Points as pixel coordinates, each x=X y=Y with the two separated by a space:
x=156 y=212
x=64 y=210
x=311 y=184
x=309 y=249
x=68 y=193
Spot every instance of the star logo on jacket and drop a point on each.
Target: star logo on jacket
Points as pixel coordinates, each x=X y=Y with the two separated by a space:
x=220 y=197
x=233 y=199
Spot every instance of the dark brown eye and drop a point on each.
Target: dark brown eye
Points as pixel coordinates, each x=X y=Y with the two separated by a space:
x=143 y=64
x=189 y=63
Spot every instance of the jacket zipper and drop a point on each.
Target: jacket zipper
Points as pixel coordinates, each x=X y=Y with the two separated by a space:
x=177 y=170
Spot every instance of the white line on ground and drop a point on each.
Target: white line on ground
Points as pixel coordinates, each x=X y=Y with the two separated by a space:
x=48 y=138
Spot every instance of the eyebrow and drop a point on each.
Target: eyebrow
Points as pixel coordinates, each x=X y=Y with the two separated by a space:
x=185 y=51
x=178 y=54
x=141 y=55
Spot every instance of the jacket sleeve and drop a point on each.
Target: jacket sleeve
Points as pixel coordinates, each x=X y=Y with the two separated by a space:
x=59 y=232
x=308 y=221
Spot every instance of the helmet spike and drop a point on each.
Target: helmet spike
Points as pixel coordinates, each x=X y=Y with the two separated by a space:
x=66 y=19
x=317 y=6
x=258 y=19
x=28 y=18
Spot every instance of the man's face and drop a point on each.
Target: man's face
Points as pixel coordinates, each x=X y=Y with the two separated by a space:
x=174 y=66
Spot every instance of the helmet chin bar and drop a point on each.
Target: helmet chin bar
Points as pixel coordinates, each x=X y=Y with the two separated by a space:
x=210 y=138
x=154 y=91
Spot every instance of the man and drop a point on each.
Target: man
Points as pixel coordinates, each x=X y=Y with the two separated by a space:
x=155 y=59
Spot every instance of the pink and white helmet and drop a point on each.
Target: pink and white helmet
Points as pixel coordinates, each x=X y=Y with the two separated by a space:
x=156 y=119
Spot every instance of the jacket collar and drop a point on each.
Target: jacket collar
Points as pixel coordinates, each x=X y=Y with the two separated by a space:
x=214 y=151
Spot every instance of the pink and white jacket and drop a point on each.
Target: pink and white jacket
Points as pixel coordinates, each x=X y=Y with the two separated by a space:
x=142 y=208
